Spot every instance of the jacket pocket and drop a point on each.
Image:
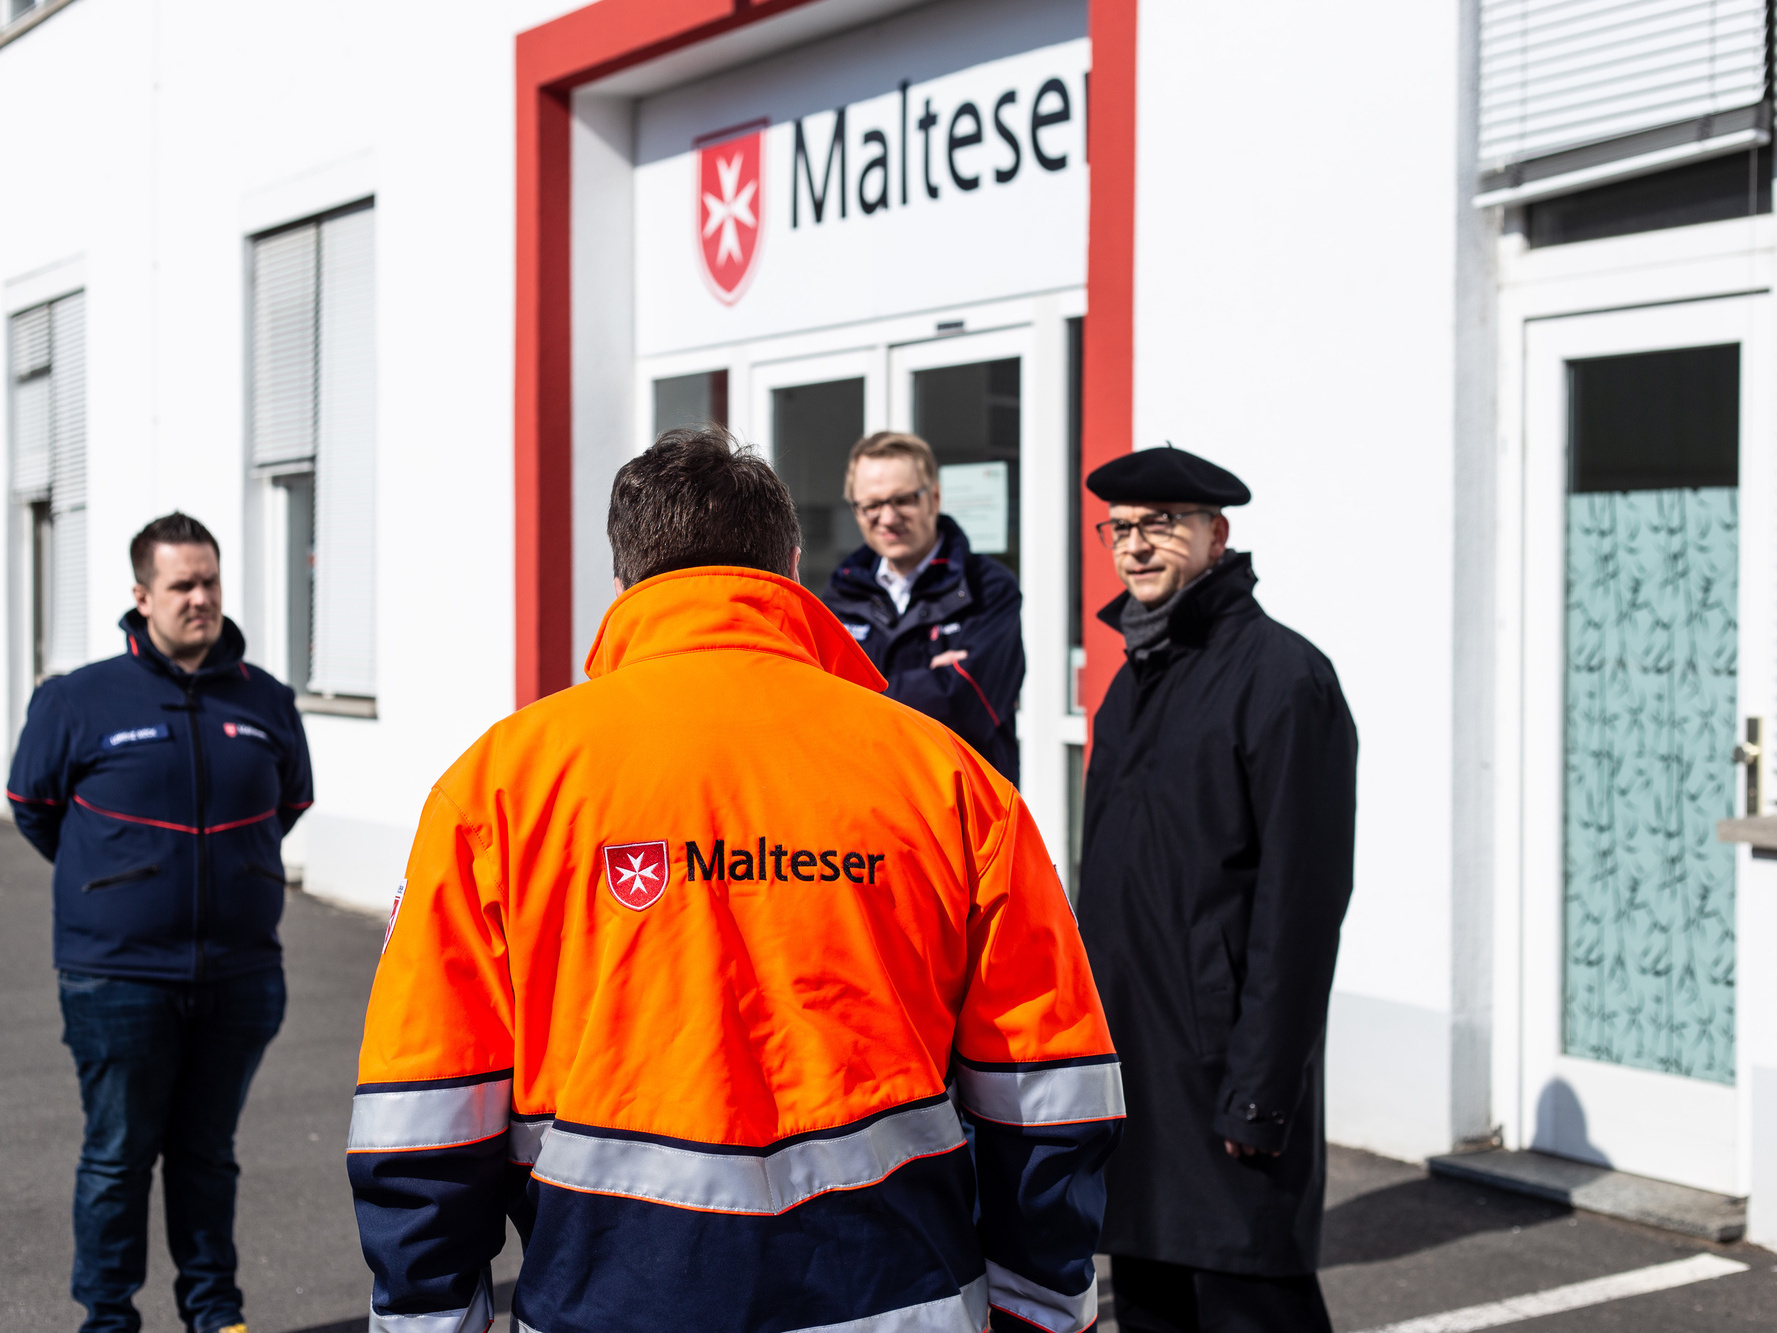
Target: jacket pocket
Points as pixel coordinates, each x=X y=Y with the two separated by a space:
x=1212 y=987
x=127 y=877
x=264 y=873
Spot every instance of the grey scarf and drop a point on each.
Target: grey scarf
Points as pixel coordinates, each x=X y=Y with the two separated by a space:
x=1146 y=628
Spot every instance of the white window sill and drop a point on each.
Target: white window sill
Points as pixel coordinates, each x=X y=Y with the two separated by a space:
x=21 y=25
x=336 y=705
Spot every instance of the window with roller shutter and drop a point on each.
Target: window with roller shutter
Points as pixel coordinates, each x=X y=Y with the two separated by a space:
x=47 y=374
x=1575 y=94
x=312 y=438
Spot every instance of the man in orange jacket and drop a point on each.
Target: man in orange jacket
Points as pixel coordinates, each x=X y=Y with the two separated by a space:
x=700 y=966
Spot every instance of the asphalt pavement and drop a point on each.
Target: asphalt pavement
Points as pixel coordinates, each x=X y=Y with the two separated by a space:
x=1400 y=1245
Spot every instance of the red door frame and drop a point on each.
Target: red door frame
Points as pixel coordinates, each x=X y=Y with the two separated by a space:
x=599 y=40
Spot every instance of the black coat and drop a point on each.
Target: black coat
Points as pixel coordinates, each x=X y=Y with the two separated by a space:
x=962 y=600
x=1220 y=805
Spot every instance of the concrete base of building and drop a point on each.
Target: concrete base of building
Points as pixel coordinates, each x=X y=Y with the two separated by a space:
x=1598 y=1189
x=1388 y=1080
x=352 y=862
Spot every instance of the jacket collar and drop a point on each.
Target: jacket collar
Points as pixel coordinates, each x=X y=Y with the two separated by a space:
x=858 y=571
x=724 y=606
x=1224 y=589
x=224 y=655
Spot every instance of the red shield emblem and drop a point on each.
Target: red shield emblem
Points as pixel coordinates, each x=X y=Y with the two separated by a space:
x=636 y=872
x=729 y=199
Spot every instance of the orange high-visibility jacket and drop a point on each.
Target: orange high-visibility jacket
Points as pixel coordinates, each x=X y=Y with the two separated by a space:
x=694 y=965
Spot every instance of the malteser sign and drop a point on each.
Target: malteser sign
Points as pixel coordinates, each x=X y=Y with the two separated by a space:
x=934 y=193
x=965 y=133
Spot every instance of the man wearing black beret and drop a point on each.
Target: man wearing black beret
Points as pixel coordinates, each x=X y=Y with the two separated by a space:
x=1220 y=806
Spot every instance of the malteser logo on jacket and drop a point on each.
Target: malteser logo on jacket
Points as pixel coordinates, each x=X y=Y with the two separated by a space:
x=636 y=872
x=729 y=208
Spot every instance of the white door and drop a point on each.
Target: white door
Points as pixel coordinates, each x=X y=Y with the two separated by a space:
x=993 y=407
x=1647 y=642
x=994 y=404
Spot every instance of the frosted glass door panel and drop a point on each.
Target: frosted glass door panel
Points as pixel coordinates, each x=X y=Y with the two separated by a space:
x=1652 y=648
x=1652 y=662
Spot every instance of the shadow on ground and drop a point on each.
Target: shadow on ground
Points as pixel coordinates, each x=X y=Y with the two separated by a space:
x=1422 y=1214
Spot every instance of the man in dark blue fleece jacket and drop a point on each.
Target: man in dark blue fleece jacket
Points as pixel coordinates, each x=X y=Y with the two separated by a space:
x=940 y=622
x=161 y=783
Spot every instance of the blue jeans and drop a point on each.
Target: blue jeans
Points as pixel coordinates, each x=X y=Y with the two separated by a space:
x=164 y=1069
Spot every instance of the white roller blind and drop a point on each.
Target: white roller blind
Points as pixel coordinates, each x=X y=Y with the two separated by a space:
x=1556 y=74
x=67 y=592
x=48 y=362
x=31 y=429
x=67 y=492
x=30 y=342
x=345 y=462
x=284 y=333
x=68 y=403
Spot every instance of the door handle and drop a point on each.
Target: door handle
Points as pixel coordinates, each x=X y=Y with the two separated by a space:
x=1751 y=753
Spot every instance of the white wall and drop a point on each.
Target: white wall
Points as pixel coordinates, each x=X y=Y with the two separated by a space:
x=1296 y=280
x=151 y=140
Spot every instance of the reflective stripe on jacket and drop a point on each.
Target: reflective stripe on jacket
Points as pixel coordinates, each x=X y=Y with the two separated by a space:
x=699 y=967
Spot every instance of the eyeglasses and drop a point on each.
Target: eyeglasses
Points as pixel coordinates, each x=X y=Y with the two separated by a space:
x=1115 y=532
x=905 y=503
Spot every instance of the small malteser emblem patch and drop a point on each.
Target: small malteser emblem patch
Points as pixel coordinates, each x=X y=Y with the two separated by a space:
x=636 y=872
x=394 y=912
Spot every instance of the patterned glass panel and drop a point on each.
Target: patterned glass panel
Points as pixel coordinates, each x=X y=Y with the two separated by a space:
x=1652 y=648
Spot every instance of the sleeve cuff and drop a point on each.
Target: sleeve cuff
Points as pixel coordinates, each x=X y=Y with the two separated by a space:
x=1251 y=1122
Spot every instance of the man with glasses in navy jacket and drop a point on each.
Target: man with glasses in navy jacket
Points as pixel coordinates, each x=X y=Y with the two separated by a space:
x=939 y=621
x=161 y=783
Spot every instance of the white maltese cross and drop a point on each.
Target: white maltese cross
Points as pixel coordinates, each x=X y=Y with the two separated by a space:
x=735 y=205
x=632 y=875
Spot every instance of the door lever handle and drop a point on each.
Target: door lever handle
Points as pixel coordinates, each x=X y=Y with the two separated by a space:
x=1751 y=753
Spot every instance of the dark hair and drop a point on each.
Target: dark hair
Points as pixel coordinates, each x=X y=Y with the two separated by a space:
x=174 y=529
x=698 y=498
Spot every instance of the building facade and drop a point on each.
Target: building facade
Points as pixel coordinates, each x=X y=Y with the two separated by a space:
x=1475 y=296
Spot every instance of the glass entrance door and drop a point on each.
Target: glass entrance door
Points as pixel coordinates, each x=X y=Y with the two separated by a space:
x=1651 y=712
x=1639 y=671
x=971 y=414
x=993 y=404
x=813 y=428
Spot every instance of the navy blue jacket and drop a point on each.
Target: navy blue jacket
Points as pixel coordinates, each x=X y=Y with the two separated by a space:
x=162 y=797
x=962 y=600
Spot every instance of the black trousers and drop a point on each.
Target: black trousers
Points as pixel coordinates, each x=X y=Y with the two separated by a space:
x=1155 y=1297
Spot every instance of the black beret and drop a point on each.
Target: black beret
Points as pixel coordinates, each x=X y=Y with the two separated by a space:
x=1166 y=476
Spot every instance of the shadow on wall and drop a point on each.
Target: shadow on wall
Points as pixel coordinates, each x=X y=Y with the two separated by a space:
x=1561 y=1125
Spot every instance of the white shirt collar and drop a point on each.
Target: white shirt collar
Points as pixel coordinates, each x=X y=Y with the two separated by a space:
x=899 y=589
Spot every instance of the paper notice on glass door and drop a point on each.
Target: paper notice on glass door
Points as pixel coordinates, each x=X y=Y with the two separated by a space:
x=975 y=495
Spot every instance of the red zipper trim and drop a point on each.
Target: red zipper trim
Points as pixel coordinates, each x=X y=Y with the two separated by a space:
x=133 y=819
x=240 y=823
x=982 y=697
x=176 y=828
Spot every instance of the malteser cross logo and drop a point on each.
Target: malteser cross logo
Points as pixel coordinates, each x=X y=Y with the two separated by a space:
x=729 y=213
x=636 y=872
